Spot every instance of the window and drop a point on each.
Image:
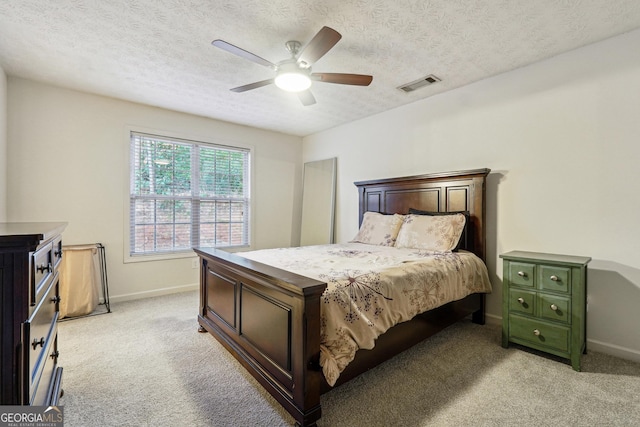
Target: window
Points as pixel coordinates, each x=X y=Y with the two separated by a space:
x=185 y=193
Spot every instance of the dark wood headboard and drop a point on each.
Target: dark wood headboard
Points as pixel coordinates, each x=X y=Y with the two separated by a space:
x=437 y=192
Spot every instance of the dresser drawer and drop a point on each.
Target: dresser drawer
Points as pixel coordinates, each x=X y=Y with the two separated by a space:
x=554 y=278
x=539 y=334
x=41 y=272
x=57 y=252
x=39 y=333
x=42 y=388
x=522 y=301
x=555 y=307
x=522 y=274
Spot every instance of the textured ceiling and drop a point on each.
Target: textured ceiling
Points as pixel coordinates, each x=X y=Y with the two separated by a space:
x=159 y=52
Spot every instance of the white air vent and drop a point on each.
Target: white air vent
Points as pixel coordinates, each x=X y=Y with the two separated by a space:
x=417 y=84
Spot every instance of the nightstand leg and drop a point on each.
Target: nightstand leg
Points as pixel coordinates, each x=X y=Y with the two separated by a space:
x=575 y=361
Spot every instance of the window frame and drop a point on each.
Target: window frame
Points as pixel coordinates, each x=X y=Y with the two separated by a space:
x=180 y=138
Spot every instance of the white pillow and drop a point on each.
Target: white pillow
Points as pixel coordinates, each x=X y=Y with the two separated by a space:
x=379 y=229
x=438 y=233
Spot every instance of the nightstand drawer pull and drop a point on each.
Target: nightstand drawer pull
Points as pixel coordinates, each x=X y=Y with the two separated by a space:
x=521 y=300
x=554 y=278
x=536 y=332
x=522 y=274
x=554 y=307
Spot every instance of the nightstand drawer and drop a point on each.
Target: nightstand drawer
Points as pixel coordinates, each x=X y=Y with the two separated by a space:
x=522 y=301
x=555 y=307
x=522 y=274
x=556 y=279
x=539 y=334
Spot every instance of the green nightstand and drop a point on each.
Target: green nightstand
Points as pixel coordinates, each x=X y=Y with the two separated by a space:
x=544 y=299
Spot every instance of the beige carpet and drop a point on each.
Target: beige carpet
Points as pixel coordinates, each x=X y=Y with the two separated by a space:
x=145 y=364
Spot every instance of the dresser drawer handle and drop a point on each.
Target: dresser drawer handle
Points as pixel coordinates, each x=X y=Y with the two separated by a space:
x=536 y=332
x=554 y=307
x=521 y=300
x=522 y=274
x=55 y=354
x=554 y=278
x=58 y=253
x=37 y=343
x=44 y=267
x=56 y=299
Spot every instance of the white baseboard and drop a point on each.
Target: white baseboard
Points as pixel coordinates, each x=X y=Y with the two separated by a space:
x=154 y=293
x=614 y=350
x=492 y=319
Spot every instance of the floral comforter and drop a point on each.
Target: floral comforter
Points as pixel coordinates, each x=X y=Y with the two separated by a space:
x=372 y=288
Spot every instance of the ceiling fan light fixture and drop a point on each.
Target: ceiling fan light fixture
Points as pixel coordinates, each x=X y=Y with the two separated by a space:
x=291 y=78
x=293 y=82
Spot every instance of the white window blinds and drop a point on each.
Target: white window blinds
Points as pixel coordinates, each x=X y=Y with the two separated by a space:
x=185 y=194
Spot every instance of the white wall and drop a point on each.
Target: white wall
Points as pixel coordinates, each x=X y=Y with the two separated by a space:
x=67 y=152
x=562 y=139
x=3 y=146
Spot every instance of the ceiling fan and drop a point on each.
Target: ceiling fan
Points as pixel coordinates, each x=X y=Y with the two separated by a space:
x=294 y=74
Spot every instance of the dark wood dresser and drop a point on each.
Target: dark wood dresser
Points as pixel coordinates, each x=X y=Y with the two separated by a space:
x=30 y=254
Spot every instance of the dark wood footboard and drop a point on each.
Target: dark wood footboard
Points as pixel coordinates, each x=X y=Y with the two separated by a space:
x=268 y=319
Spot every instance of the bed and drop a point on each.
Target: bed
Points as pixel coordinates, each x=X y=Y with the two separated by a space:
x=270 y=318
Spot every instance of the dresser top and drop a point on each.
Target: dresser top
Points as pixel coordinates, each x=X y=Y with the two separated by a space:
x=28 y=233
x=548 y=258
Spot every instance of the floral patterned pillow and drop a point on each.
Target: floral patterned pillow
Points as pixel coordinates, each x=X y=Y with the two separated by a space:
x=379 y=229
x=432 y=233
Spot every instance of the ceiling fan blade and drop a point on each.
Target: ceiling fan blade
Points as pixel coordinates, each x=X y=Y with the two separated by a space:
x=242 y=53
x=320 y=44
x=343 y=79
x=252 y=86
x=306 y=97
